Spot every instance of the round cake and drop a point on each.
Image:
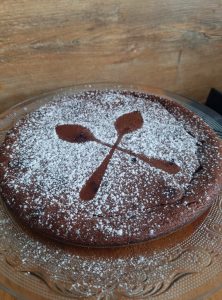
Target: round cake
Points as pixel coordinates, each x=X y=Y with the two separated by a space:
x=108 y=168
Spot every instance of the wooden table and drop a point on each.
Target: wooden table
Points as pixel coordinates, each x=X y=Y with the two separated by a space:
x=175 y=45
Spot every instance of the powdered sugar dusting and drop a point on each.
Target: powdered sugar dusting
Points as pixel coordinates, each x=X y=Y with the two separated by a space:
x=131 y=189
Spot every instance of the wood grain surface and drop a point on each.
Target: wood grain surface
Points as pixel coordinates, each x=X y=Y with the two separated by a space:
x=173 y=44
x=170 y=44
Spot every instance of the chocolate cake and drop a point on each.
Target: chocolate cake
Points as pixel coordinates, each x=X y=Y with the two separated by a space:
x=108 y=168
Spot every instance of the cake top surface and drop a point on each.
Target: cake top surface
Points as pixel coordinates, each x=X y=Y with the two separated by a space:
x=106 y=160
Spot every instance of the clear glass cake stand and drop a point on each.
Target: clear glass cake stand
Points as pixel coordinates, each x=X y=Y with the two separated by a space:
x=184 y=265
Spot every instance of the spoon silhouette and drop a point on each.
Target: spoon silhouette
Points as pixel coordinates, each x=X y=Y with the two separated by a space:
x=125 y=124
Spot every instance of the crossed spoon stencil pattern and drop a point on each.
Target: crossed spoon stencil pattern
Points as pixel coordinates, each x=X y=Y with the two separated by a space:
x=125 y=124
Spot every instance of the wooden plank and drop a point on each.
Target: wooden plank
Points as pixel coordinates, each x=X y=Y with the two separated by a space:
x=175 y=45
